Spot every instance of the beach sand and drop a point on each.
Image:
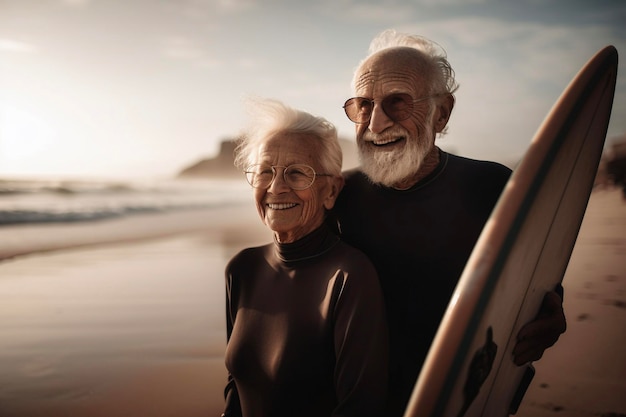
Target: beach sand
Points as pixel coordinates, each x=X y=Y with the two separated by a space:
x=133 y=328
x=136 y=328
x=584 y=374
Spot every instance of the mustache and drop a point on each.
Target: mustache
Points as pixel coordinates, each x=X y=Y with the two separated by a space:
x=392 y=133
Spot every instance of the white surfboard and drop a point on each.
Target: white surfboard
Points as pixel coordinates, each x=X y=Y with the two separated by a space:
x=521 y=254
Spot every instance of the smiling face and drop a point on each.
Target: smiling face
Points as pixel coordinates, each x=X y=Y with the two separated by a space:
x=292 y=214
x=391 y=151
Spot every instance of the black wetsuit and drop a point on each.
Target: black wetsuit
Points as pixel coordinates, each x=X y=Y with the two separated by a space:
x=306 y=329
x=419 y=240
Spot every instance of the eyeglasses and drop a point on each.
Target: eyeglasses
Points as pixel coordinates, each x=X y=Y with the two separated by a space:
x=397 y=107
x=296 y=176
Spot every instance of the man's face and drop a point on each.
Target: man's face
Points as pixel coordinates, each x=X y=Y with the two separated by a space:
x=391 y=151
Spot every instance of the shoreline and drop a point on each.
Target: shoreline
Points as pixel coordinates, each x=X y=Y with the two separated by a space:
x=225 y=221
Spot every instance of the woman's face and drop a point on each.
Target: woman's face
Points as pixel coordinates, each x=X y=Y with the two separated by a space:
x=292 y=214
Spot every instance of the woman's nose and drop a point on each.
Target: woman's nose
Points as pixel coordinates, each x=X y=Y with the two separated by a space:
x=278 y=184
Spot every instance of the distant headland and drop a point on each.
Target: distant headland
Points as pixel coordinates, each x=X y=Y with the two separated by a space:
x=221 y=165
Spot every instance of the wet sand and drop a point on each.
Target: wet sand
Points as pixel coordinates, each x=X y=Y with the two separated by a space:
x=120 y=329
x=136 y=328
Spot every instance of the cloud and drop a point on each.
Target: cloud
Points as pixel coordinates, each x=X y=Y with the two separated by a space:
x=392 y=12
x=376 y=12
x=206 y=9
x=236 y=6
x=179 y=47
x=439 y=3
x=186 y=49
x=75 y=3
x=249 y=64
x=9 y=45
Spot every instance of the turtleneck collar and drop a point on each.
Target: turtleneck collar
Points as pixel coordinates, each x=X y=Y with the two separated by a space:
x=316 y=243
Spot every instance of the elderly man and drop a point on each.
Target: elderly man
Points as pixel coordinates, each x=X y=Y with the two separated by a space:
x=415 y=210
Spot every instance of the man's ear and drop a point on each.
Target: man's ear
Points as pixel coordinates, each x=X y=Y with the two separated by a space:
x=443 y=112
x=336 y=185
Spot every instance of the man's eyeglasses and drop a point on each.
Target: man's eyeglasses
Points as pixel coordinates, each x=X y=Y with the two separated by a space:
x=296 y=176
x=397 y=107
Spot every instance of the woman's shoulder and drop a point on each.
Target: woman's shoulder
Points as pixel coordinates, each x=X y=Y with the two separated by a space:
x=247 y=257
x=353 y=259
x=359 y=279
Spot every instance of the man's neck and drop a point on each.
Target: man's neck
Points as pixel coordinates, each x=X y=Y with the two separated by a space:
x=429 y=164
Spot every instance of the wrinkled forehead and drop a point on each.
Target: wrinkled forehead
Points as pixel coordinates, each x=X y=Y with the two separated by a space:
x=392 y=69
x=290 y=148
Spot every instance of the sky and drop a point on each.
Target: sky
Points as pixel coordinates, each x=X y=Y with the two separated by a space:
x=144 y=88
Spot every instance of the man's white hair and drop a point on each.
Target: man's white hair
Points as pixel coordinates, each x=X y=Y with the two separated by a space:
x=442 y=74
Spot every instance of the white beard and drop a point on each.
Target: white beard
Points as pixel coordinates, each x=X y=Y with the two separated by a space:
x=392 y=167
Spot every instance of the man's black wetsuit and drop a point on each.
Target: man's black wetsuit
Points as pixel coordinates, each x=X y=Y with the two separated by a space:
x=419 y=240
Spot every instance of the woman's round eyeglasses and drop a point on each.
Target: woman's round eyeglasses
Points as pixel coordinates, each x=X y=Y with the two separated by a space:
x=397 y=107
x=296 y=176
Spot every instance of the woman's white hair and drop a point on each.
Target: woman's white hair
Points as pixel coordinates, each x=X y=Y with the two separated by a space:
x=269 y=117
x=442 y=73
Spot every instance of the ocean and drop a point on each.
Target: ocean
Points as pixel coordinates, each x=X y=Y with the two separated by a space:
x=43 y=214
x=69 y=201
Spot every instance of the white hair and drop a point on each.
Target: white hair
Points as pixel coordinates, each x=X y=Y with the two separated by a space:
x=269 y=117
x=442 y=73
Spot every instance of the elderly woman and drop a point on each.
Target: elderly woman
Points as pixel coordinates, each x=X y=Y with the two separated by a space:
x=306 y=329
